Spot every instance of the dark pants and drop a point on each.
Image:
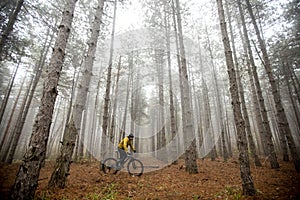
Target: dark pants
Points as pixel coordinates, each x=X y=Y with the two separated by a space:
x=122 y=154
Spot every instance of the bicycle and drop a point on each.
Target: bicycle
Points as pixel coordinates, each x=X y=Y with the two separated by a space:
x=112 y=166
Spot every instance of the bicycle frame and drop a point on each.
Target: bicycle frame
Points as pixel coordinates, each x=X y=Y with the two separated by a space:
x=128 y=158
x=133 y=165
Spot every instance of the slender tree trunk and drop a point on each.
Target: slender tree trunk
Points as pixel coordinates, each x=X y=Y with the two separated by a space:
x=178 y=57
x=79 y=141
x=95 y=139
x=221 y=142
x=57 y=108
x=174 y=135
x=188 y=127
x=108 y=85
x=198 y=122
x=200 y=111
x=295 y=81
x=247 y=183
x=227 y=127
x=8 y=91
x=113 y=120
x=135 y=102
x=289 y=76
x=55 y=132
x=266 y=134
x=130 y=66
x=12 y=20
x=63 y=162
x=207 y=129
x=257 y=113
x=6 y=132
x=29 y=97
x=284 y=128
x=207 y=121
x=161 y=133
x=10 y=142
x=213 y=154
x=27 y=177
x=19 y=126
x=242 y=97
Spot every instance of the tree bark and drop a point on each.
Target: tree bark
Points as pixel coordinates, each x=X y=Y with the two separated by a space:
x=171 y=97
x=178 y=63
x=257 y=113
x=8 y=91
x=105 y=121
x=63 y=162
x=188 y=127
x=130 y=66
x=247 y=183
x=27 y=176
x=6 y=132
x=12 y=20
x=213 y=153
x=113 y=120
x=261 y=111
x=287 y=77
x=221 y=142
x=284 y=128
x=14 y=137
x=199 y=108
x=242 y=97
x=161 y=135
x=27 y=101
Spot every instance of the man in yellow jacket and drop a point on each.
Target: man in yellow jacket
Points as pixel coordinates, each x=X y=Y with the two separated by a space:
x=123 y=147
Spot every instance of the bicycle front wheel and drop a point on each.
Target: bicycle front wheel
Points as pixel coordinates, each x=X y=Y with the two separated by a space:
x=109 y=166
x=135 y=167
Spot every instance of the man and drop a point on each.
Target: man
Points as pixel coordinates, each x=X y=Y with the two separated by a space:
x=123 y=147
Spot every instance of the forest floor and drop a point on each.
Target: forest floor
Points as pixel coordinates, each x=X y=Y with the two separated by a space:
x=215 y=180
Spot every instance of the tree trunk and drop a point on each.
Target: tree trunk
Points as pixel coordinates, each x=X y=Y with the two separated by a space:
x=257 y=113
x=28 y=174
x=27 y=101
x=174 y=135
x=8 y=91
x=130 y=66
x=287 y=77
x=284 y=128
x=14 y=137
x=228 y=134
x=12 y=20
x=199 y=108
x=63 y=162
x=161 y=133
x=188 y=127
x=247 y=183
x=265 y=129
x=79 y=145
x=6 y=132
x=113 y=120
x=179 y=66
x=221 y=142
x=105 y=121
x=213 y=152
x=295 y=81
x=242 y=97
x=207 y=129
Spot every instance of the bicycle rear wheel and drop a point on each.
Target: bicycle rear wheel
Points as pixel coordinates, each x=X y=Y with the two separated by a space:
x=135 y=167
x=110 y=166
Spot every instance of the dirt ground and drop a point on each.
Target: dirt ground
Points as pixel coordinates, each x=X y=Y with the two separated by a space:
x=215 y=180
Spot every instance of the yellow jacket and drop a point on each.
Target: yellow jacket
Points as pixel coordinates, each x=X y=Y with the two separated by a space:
x=125 y=143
